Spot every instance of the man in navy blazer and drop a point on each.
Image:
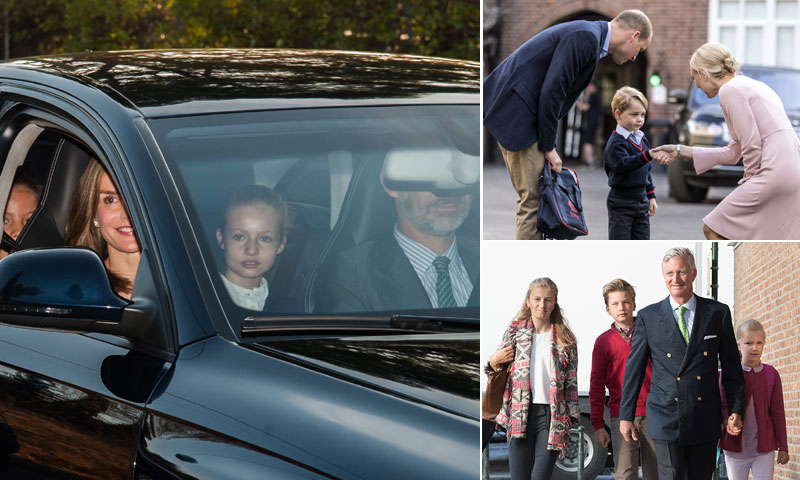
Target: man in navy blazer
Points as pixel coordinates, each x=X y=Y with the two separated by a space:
x=533 y=88
x=683 y=408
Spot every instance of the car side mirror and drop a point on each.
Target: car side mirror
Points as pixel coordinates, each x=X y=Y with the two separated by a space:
x=65 y=289
x=677 y=96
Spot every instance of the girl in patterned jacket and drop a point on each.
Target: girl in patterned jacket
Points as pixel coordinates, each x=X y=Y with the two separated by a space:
x=540 y=403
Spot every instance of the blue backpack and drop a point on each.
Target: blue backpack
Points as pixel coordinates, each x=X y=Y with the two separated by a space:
x=560 y=213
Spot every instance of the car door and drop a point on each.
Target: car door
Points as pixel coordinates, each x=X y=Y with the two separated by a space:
x=60 y=418
x=71 y=404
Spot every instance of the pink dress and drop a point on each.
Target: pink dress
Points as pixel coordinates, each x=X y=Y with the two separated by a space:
x=766 y=204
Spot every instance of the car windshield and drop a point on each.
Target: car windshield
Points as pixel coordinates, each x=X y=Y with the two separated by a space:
x=351 y=180
x=783 y=82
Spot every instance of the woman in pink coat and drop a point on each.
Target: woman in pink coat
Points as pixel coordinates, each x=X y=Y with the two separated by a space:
x=766 y=204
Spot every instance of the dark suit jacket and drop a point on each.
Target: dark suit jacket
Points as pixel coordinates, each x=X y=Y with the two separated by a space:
x=377 y=276
x=684 y=401
x=534 y=87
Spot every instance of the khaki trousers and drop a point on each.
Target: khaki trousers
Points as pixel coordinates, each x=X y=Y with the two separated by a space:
x=524 y=168
x=626 y=454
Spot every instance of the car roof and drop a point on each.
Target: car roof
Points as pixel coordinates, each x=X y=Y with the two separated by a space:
x=175 y=82
x=759 y=68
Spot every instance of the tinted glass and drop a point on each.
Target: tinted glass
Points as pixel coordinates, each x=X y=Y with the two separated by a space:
x=336 y=252
x=783 y=82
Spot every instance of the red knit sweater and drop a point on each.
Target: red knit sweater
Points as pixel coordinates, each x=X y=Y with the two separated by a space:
x=608 y=369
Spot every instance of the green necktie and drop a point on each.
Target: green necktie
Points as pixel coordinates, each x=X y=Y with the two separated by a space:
x=444 y=290
x=682 y=324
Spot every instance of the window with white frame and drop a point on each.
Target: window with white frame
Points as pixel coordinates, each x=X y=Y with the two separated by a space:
x=759 y=32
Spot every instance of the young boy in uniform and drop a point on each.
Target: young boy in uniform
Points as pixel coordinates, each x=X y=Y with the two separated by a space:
x=626 y=159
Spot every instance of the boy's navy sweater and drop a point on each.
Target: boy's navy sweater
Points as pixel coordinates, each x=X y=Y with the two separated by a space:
x=628 y=167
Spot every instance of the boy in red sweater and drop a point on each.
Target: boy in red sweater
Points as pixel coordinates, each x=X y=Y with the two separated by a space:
x=609 y=356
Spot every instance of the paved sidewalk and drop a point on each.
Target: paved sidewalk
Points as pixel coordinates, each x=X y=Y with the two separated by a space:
x=673 y=221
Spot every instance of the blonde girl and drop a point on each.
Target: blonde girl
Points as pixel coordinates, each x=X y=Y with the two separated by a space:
x=540 y=403
x=764 y=420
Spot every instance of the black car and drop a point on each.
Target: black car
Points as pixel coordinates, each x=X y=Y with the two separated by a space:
x=699 y=122
x=180 y=381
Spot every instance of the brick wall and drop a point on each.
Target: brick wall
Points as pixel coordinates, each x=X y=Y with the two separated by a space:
x=679 y=27
x=767 y=288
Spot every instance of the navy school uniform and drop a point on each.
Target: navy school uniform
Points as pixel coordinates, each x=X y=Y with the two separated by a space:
x=627 y=165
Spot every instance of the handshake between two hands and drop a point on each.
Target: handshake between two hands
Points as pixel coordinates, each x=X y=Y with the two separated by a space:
x=665 y=154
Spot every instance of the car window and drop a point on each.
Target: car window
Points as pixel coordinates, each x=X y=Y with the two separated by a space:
x=62 y=195
x=783 y=82
x=45 y=173
x=237 y=172
x=698 y=98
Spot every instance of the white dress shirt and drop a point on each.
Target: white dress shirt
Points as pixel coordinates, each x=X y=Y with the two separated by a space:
x=688 y=315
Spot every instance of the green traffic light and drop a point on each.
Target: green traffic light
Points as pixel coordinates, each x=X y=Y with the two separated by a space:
x=655 y=80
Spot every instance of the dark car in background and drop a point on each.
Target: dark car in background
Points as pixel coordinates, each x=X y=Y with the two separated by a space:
x=597 y=460
x=699 y=122
x=179 y=381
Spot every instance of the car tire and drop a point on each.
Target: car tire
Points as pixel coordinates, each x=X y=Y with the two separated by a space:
x=680 y=189
x=594 y=455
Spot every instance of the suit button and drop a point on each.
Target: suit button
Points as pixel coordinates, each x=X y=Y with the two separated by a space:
x=679 y=379
x=699 y=399
x=669 y=355
x=705 y=354
x=698 y=377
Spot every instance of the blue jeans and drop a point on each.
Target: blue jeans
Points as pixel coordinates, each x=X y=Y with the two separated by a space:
x=529 y=458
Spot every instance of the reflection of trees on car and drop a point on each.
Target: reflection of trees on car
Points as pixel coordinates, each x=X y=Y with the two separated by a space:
x=50 y=414
x=413 y=363
x=149 y=77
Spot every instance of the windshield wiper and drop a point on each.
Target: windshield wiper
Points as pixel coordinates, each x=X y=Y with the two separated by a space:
x=350 y=324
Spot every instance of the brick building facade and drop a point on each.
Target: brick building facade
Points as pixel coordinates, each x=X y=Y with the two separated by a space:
x=679 y=27
x=767 y=288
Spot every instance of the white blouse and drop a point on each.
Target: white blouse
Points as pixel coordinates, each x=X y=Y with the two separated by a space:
x=540 y=367
x=250 y=298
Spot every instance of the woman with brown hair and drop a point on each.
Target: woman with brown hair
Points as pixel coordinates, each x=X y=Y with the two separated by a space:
x=98 y=220
x=540 y=403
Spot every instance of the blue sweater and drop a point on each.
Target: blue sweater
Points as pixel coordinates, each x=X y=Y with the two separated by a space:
x=628 y=167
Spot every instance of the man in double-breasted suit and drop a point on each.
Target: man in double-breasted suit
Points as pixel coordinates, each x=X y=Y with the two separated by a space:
x=684 y=336
x=533 y=88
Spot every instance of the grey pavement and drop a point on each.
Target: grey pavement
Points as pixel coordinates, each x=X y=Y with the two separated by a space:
x=673 y=220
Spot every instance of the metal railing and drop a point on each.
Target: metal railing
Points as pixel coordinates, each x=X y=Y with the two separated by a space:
x=580 y=450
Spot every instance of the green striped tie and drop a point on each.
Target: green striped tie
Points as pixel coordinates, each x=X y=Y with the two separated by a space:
x=444 y=290
x=682 y=324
